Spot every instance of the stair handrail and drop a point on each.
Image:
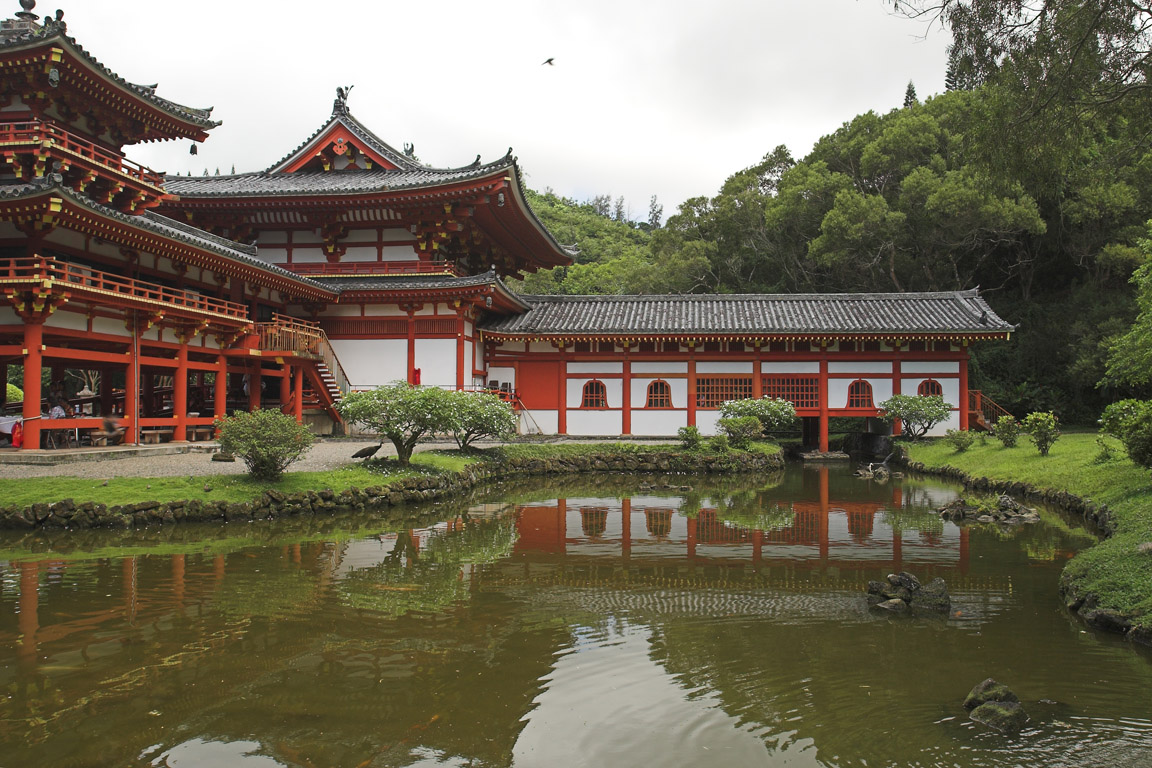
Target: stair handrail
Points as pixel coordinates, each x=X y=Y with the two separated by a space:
x=989 y=410
x=303 y=338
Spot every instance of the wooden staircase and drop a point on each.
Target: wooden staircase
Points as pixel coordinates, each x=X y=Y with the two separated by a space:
x=326 y=383
x=983 y=413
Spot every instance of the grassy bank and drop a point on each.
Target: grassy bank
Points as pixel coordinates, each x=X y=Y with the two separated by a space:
x=1116 y=571
x=239 y=488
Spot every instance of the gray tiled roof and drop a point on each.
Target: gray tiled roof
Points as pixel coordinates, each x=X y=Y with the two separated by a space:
x=952 y=312
x=370 y=283
x=341 y=115
x=19 y=35
x=160 y=225
x=265 y=184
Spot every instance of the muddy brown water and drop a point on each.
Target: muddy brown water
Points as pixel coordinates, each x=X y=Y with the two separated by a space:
x=584 y=622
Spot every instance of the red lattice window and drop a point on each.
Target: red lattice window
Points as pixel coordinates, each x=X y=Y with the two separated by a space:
x=659 y=395
x=595 y=395
x=711 y=391
x=860 y=394
x=801 y=391
x=929 y=388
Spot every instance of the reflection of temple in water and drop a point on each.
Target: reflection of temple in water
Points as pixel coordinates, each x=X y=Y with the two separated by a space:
x=809 y=533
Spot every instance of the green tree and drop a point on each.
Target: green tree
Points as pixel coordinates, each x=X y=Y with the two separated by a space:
x=477 y=415
x=772 y=413
x=401 y=413
x=268 y=441
x=918 y=413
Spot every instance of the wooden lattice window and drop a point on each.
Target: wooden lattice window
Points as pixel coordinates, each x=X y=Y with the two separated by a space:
x=659 y=395
x=595 y=395
x=801 y=391
x=930 y=388
x=711 y=391
x=860 y=394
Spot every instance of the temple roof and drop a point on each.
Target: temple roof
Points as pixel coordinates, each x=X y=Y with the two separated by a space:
x=312 y=183
x=25 y=35
x=425 y=284
x=164 y=227
x=954 y=312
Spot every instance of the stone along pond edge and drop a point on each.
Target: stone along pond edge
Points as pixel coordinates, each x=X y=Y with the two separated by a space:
x=272 y=504
x=1084 y=603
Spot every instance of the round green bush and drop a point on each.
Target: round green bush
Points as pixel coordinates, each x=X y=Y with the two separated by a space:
x=1007 y=431
x=1043 y=428
x=267 y=441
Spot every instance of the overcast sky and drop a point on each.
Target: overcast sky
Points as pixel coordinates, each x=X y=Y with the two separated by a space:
x=666 y=98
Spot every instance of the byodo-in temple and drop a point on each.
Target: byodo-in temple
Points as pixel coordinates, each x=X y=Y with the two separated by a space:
x=348 y=264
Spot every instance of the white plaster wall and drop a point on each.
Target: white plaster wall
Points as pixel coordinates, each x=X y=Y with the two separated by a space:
x=594 y=422
x=372 y=362
x=838 y=391
x=658 y=368
x=952 y=422
x=734 y=367
x=359 y=253
x=502 y=375
x=8 y=315
x=169 y=336
x=399 y=253
x=930 y=366
x=950 y=387
x=361 y=236
x=867 y=366
x=302 y=237
x=74 y=320
x=341 y=310
x=795 y=367
x=538 y=346
x=66 y=237
x=679 y=389
x=436 y=359
x=308 y=256
x=278 y=236
x=606 y=366
x=706 y=421
x=110 y=326
x=612 y=387
x=658 y=423
x=383 y=310
x=545 y=421
x=467 y=362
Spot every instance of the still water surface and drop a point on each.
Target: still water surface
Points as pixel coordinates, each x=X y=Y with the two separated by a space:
x=591 y=622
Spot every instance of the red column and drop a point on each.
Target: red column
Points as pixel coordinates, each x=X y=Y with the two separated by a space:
x=298 y=394
x=964 y=389
x=692 y=386
x=132 y=399
x=823 y=402
x=220 y=389
x=757 y=376
x=561 y=394
x=285 y=386
x=33 y=362
x=180 y=393
x=897 y=427
x=626 y=407
x=459 y=348
x=411 y=346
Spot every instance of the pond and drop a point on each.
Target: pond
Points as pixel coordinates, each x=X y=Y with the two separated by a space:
x=593 y=621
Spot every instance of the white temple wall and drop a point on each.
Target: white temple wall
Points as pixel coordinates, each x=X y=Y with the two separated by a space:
x=594 y=422
x=436 y=359
x=659 y=423
x=370 y=363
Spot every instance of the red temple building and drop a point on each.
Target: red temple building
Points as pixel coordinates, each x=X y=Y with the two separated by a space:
x=349 y=264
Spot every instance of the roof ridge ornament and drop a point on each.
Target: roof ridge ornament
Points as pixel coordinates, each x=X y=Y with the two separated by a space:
x=340 y=105
x=27 y=14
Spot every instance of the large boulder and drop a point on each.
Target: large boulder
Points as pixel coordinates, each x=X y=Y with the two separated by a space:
x=989 y=690
x=1003 y=716
x=933 y=596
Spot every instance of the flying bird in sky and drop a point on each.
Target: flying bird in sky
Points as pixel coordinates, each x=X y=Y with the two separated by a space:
x=550 y=62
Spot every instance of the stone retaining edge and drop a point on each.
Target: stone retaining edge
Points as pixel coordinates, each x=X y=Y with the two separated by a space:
x=1084 y=604
x=272 y=504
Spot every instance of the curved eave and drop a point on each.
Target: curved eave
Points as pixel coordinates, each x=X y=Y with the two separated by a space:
x=62 y=208
x=169 y=119
x=960 y=337
x=318 y=139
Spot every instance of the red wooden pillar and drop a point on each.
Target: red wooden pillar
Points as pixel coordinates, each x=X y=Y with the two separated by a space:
x=964 y=388
x=626 y=406
x=285 y=386
x=757 y=376
x=33 y=362
x=823 y=402
x=180 y=393
x=132 y=397
x=692 y=385
x=459 y=348
x=298 y=394
x=411 y=344
x=897 y=427
x=561 y=394
x=220 y=389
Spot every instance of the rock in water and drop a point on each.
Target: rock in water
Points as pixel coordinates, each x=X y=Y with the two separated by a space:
x=896 y=605
x=1003 y=716
x=933 y=596
x=987 y=691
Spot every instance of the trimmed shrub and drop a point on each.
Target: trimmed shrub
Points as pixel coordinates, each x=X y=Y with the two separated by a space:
x=477 y=415
x=719 y=443
x=267 y=441
x=1007 y=431
x=960 y=439
x=14 y=394
x=1137 y=436
x=918 y=413
x=1043 y=428
x=402 y=413
x=741 y=431
x=772 y=412
x=690 y=438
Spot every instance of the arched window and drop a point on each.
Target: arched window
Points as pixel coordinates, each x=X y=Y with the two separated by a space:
x=659 y=395
x=929 y=388
x=595 y=395
x=860 y=394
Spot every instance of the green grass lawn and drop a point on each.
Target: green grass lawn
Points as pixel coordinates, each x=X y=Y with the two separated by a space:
x=1115 y=570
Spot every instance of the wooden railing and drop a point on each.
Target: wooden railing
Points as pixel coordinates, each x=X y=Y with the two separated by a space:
x=302 y=338
x=43 y=269
x=47 y=135
x=983 y=411
x=374 y=268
